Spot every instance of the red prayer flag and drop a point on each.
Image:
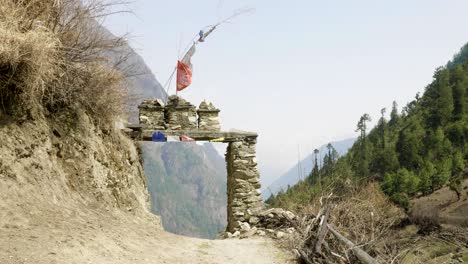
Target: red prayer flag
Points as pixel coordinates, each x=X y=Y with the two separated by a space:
x=184 y=76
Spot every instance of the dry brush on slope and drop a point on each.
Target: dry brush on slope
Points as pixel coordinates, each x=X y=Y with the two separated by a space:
x=348 y=229
x=52 y=57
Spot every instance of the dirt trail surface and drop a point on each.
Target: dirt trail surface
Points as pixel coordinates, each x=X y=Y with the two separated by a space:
x=73 y=193
x=65 y=235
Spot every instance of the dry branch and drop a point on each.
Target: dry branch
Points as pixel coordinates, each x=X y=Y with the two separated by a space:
x=360 y=254
x=322 y=230
x=313 y=243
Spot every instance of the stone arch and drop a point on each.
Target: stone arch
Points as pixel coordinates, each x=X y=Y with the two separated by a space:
x=180 y=118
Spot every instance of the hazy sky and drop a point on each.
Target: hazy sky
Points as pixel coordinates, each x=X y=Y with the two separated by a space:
x=299 y=72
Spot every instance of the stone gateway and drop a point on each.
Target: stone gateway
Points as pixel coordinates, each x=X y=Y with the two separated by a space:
x=181 y=118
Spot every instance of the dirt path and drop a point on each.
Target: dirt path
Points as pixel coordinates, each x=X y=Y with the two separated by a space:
x=68 y=235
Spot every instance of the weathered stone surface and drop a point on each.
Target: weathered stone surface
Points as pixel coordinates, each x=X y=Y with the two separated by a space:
x=151 y=114
x=254 y=220
x=276 y=222
x=243 y=182
x=236 y=234
x=180 y=114
x=208 y=117
x=145 y=134
x=244 y=227
x=249 y=233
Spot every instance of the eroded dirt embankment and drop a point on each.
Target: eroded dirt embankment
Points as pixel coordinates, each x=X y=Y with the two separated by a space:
x=73 y=193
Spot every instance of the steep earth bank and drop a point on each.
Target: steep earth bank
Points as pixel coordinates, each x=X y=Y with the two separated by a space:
x=73 y=193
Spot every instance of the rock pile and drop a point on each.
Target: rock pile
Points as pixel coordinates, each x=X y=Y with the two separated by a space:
x=275 y=218
x=274 y=222
x=180 y=114
x=208 y=117
x=152 y=114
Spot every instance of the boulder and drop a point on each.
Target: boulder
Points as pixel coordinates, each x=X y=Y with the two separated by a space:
x=244 y=227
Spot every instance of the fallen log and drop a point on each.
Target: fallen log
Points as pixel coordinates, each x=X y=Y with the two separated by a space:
x=304 y=256
x=322 y=230
x=360 y=254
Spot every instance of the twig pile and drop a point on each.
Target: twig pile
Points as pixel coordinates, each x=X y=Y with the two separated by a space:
x=317 y=241
x=317 y=246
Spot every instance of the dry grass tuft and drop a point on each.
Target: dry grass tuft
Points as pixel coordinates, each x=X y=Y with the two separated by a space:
x=52 y=56
x=366 y=215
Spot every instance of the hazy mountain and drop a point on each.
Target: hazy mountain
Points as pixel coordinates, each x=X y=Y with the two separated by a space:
x=187 y=185
x=304 y=167
x=140 y=83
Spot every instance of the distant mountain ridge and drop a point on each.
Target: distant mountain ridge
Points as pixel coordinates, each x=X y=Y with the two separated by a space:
x=187 y=185
x=140 y=81
x=291 y=177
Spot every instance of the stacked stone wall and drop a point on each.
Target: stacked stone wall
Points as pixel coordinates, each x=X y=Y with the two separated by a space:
x=208 y=120
x=180 y=114
x=181 y=118
x=152 y=114
x=208 y=117
x=243 y=189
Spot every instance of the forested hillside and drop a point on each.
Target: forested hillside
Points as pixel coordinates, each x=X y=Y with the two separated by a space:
x=292 y=176
x=413 y=152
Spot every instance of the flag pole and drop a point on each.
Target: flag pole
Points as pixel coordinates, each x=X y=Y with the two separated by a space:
x=168 y=84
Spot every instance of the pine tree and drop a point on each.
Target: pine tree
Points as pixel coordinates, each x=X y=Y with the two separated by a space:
x=329 y=161
x=440 y=99
x=409 y=145
x=460 y=58
x=394 y=116
x=443 y=173
x=362 y=158
x=455 y=182
x=426 y=174
x=460 y=84
x=383 y=127
x=315 y=169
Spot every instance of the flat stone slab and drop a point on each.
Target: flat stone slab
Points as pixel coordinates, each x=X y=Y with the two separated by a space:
x=199 y=135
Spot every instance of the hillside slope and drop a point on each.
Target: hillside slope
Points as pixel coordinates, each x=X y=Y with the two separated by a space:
x=187 y=185
x=291 y=176
x=415 y=152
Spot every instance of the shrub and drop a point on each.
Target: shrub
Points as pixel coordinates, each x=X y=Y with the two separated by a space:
x=401 y=199
x=52 y=56
x=443 y=172
x=403 y=181
x=426 y=174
